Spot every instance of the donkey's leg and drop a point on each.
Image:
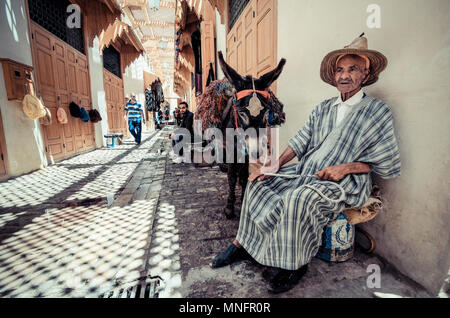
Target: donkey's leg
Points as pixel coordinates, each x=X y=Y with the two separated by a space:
x=243 y=178
x=232 y=180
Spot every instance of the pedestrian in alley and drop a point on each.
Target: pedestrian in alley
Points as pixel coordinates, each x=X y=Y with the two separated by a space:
x=345 y=138
x=135 y=117
x=186 y=121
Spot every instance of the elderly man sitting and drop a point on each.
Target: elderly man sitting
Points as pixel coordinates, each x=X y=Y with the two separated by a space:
x=344 y=139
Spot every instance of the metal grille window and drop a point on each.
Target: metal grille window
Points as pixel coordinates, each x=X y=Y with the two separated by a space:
x=236 y=8
x=52 y=15
x=111 y=61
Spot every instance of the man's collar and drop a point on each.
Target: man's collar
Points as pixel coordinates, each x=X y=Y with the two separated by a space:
x=355 y=99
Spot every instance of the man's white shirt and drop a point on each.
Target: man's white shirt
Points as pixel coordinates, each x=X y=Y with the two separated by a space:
x=344 y=107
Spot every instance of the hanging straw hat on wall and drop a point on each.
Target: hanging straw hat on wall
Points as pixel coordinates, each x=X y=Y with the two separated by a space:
x=375 y=61
x=32 y=107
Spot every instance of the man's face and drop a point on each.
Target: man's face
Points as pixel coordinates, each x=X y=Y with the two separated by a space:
x=133 y=100
x=183 y=109
x=350 y=74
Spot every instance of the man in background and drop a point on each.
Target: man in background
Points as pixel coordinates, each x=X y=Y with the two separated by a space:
x=186 y=121
x=135 y=115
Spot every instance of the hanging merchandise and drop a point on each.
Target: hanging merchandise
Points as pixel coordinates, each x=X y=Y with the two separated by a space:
x=61 y=115
x=94 y=115
x=158 y=93
x=84 y=115
x=47 y=119
x=32 y=107
x=150 y=100
x=75 y=110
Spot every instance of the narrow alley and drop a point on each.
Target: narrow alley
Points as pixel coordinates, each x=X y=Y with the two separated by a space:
x=333 y=113
x=63 y=235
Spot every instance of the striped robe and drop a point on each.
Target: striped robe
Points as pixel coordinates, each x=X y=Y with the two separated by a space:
x=282 y=220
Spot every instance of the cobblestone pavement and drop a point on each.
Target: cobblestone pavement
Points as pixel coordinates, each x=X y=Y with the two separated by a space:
x=61 y=236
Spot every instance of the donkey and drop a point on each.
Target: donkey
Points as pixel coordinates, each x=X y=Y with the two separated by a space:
x=242 y=112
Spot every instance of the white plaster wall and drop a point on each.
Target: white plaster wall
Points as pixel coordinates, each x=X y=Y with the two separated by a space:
x=98 y=92
x=221 y=42
x=133 y=80
x=413 y=230
x=24 y=142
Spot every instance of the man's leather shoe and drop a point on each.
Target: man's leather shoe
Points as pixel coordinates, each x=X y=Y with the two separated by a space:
x=285 y=280
x=228 y=256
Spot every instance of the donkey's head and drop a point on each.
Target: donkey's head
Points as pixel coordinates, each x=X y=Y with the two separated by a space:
x=255 y=106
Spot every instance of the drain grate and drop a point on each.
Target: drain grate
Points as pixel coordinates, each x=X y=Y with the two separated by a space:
x=145 y=289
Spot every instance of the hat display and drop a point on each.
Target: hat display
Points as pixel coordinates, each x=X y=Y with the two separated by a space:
x=74 y=110
x=32 y=107
x=61 y=115
x=375 y=61
x=95 y=116
x=84 y=115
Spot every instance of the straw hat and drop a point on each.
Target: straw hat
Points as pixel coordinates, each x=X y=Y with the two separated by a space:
x=359 y=46
x=32 y=107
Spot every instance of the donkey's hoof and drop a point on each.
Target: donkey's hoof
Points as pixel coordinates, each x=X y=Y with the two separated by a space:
x=229 y=213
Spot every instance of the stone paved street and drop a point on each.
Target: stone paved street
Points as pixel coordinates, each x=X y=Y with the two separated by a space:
x=61 y=236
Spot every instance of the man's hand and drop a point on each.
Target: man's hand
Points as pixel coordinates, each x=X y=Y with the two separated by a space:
x=337 y=173
x=260 y=173
x=172 y=135
x=334 y=173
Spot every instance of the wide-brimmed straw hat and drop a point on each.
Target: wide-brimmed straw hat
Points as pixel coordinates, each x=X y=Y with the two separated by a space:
x=359 y=46
x=33 y=107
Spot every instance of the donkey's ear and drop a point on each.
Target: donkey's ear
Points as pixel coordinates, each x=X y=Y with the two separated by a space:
x=233 y=77
x=267 y=79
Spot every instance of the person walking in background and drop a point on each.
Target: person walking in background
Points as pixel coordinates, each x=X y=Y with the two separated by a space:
x=135 y=118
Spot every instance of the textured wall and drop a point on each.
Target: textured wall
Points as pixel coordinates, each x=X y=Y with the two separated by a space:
x=413 y=231
x=23 y=136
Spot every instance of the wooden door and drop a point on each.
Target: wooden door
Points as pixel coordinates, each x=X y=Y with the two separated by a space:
x=249 y=40
x=84 y=91
x=44 y=53
x=114 y=95
x=231 y=58
x=75 y=87
x=252 y=43
x=265 y=36
x=3 y=157
x=208 y=49
x=62 y=75
x=62 y=96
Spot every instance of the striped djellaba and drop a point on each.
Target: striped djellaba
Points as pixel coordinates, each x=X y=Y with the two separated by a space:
x=282 y=220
